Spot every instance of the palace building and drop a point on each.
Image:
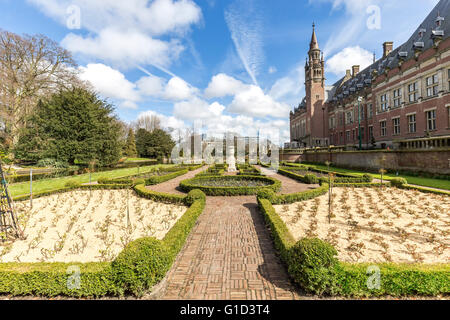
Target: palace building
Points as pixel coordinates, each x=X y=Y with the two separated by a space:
x=401 y=100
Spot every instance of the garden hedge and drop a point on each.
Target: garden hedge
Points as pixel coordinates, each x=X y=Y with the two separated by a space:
x=138 y=267
x=160 y=179
x=189 y=184
x=143 y=192
x=312 y=263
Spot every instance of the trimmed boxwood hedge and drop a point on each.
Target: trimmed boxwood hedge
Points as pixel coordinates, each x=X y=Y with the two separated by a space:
x=160 y=179
x=187 y=185
x=138 y=267
x=313 y=265
x=143 y=192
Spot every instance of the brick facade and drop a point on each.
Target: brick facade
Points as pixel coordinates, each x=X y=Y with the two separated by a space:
x=404 y=95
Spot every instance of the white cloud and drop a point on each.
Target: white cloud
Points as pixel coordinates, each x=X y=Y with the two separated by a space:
x=153 y=17
x=124 y=48
x=222 y=85
x=110 y=83
x=254 y=102
x=196 y=108
x=289 y=88
x=178 y=89
x=150 y=85
x=348 y=57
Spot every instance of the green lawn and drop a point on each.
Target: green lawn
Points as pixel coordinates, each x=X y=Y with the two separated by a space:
x=56 y=183
x=425 y=182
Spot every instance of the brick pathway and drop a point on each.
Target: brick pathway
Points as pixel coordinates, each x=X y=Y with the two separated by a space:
x=229 y=255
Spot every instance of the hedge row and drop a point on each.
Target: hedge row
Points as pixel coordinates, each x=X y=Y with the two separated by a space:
x=145 y=261
x=293 y=197
x=143 y=192
x=313 y=265
x=190 y=184
x=424 y=189
x=137 y=268
x=308 y=178
x=160 y=179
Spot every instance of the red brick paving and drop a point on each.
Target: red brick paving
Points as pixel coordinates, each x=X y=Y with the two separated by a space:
x=229 y=253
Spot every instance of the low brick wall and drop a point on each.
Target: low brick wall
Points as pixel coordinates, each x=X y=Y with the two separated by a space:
x=432 y=161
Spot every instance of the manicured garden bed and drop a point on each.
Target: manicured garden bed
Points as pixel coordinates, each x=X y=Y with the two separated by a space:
x=313 y=263
x=141 y=264
x=230 y=185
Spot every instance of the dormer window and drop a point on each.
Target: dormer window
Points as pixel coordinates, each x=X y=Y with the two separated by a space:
x=422 y=32
x=439 y=21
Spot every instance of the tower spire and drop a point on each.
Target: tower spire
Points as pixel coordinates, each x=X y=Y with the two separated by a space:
x=314 y=44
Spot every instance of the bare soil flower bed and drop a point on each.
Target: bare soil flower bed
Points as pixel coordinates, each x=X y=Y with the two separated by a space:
x=80 y=226
x=374 y=225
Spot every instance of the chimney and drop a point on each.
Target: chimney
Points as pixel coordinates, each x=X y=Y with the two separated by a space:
x=355 y=70
x=387 y=48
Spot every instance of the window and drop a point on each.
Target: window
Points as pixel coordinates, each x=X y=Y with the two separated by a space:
x=331 y=122
x=396 y=126
x=397 y=97
x=413 y=92
x=362 y=134
x=371 y=132
x=353 y=134
x=431 y=120
x=347 y=135
x=370 y=111
x=384 y=103
x=383 y=128
x=342 y=137
x=411 y=123
x=341 y=119
x=432 y=85
x=349 y=117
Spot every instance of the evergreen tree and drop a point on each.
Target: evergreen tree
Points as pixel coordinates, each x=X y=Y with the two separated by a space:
x=71 y=125
x=156 y=144
x=130 y=148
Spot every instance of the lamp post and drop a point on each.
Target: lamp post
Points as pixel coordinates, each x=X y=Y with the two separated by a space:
x=359 y=122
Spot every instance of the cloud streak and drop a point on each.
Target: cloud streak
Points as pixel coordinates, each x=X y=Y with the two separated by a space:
x=245 y=25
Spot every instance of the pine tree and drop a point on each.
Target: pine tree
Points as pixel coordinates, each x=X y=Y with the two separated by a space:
x=73 y=125
x=130 y=148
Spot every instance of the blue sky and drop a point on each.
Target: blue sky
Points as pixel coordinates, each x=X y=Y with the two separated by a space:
x=233 y=65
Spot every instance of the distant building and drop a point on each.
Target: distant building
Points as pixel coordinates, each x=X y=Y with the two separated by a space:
x=404 y=96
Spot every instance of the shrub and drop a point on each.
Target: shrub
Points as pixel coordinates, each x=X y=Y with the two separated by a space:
x=72 y=184
x=142 y=191
x=398 y=182
x=140 y=265
x=138 y=181
x=367 y=177
x=314 y=266
x=194 y=195
x=211 y=185
x=311 y=178
x=160 y=179
x=266 y=194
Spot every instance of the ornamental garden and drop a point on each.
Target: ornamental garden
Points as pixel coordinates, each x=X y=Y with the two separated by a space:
x=122 y=237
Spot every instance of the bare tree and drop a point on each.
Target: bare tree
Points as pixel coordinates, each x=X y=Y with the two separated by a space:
x=31 y=67
x=148 y=122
